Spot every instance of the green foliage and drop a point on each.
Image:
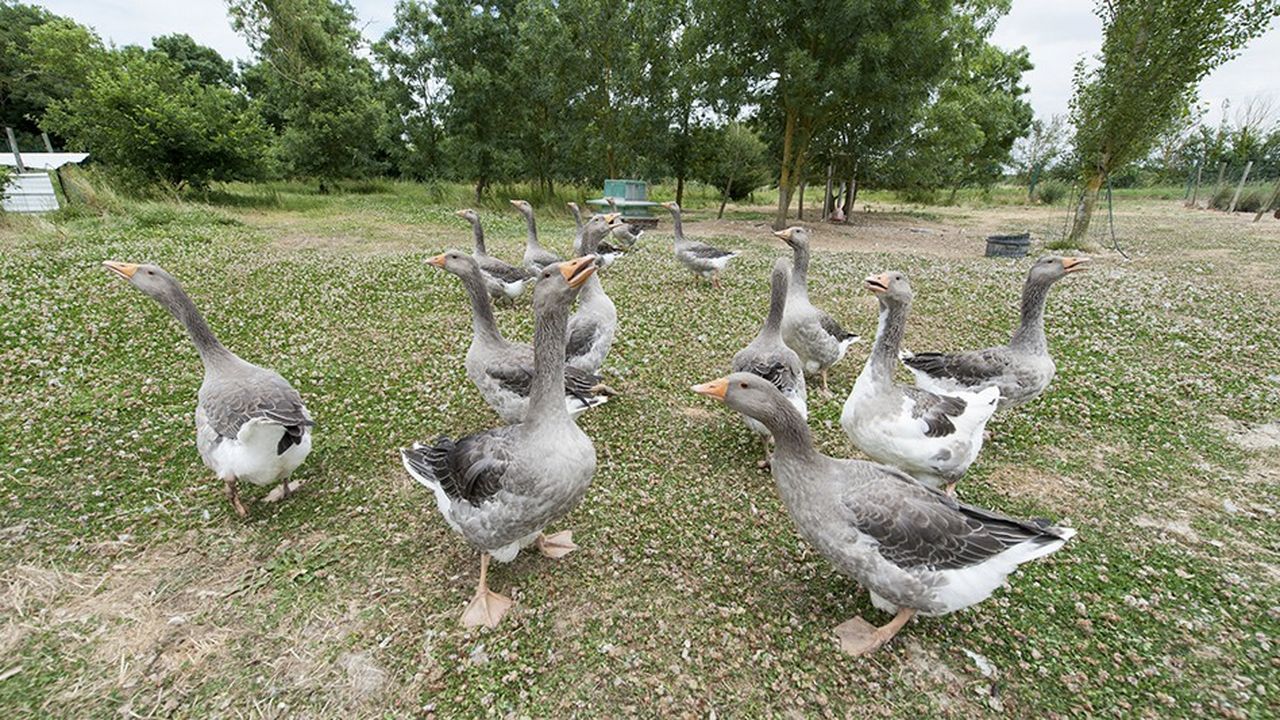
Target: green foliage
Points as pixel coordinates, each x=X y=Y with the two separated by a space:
x=22 y=97
x=1049 y=193
x=318 y=90
x=149 y=121
x=734 y=158
x=197 y=60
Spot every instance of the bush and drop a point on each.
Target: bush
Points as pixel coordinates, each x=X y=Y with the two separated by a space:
x=919 y=196
x=1049 y=193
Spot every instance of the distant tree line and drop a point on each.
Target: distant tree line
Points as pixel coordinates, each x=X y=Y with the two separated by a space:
x=906 y=94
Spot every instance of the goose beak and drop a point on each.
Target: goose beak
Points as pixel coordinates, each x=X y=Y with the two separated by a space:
x=714 y=389
x=124 y=270
x=577 y=270
x=613 y=219
x=438 y=261
x=1074 y=264
x=462 y=214
x=785 y=234
x=877 y=283
x=518 y=204
x=668 y=205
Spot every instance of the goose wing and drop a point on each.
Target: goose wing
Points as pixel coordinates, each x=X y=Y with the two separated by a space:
x=937 y=411
x=582 y=335
x=703 y=251
x=505 y=272
x=472 y=468
x=833 y=328
x=970 y=368
x=230 y=402
x=916 y=526
x=518 y=379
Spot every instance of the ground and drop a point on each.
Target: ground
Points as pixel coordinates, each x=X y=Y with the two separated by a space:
x=130 y=589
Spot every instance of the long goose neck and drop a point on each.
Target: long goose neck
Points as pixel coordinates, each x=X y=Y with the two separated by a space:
x=1030 y=332
x=180 y=305
x=533 y=231
x=777 y=304
x=800 y=271
x=546 y=394
x=790 y=432
x=483 y=323
x=478 y=231
x=884 y=354
x=677 y=225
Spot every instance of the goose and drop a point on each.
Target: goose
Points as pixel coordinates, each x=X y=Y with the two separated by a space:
x=593 y=326
x=770 y=358
x=815 y=336
x=502 y=370
x=916 y=550
x=933 y=436
x=251 y=424
x=627 y=233
x=1023 y=368
x=701 y=258
x=606 y=253
x=500 y=488
x=502 y=280
x=535 y=257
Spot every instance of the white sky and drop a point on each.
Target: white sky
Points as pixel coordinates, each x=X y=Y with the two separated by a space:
x=1057 y=32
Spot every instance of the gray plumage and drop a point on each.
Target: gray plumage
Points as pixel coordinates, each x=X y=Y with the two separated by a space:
x=911 y=546
x=1022 y=369
x=767 y=356
x=816 y=337
x=699 y=257
x=501 y=279
x=536 y=258
x=593 y=327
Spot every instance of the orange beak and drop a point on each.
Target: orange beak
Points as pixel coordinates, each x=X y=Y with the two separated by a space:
x=463 y=214
x=577 y=270
x=714 y=389
x=877 y=283
x=668 y=205
x=785 y=234
x=438 y=261
x=124 y=270
x=1074 y=264
x=518 y=203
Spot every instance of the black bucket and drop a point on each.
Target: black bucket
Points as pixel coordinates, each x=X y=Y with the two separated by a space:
x=1010 y=246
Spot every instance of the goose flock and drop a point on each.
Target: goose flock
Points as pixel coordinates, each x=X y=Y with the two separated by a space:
x=891 y=523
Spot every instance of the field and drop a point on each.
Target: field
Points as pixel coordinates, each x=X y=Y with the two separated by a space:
x=128 y=588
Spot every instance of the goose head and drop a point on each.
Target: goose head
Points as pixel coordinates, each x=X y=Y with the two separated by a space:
x=890 y=287
x=674 y=208
x=749 y=394
x=1052 y=268
x=150 y=279
x=456 y=262
x=558 y=283
x=795 y=236
x=523 y=206
x=469 y=215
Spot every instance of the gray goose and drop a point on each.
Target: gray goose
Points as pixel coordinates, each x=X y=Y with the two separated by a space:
x=503 y=280
x=606 y=252
x=703 y=259
x=915 y=549
x=593 y=326
x=535 y=257
x=1021 y=369
x=815 y=336
x=499 y=488
x=933 y=436
x=770 y=358
x=502 y=370
x=251 y=424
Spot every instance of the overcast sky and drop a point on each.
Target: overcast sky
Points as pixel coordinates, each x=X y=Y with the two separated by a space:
x=1057 y=32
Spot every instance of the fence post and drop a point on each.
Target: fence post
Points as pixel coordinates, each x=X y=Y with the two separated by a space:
x=1267 y=206
x=48 y=146
x=1243 y=178
x=13 y=145
x=1195 y=194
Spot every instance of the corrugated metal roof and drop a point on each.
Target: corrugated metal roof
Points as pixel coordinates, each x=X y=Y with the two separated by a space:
x=30 y=192
x=43 y=160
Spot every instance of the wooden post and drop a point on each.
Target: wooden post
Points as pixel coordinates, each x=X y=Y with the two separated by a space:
x=48 y=146
x=13 y=146
x=1195 y=194
x=1239 y=187
x=800 y=204
x=1275 y=194
x=1222 y=170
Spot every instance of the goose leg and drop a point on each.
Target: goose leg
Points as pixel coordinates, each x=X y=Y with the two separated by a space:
x=282 y=491
x=486 y=607
x=858 y=637
x=233 y=494
x=949 y=489
x=557 y=545
x=715 y=280
x=825 y=390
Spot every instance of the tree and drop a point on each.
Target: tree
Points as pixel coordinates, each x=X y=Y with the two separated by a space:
x=315 y=83
x=1038 y=149
x=733 y=161
x=50 y=61
x=196 y=60
x=1154 y=53
x=22 y=98
x=143 y=116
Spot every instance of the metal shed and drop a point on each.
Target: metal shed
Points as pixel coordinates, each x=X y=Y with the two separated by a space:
x=31 y=189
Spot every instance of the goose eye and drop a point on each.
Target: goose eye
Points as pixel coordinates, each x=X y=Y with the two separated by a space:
x=744 y=386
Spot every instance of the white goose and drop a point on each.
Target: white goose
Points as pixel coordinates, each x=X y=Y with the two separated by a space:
x=251 y=424
x=933 y=437
x=593 y=327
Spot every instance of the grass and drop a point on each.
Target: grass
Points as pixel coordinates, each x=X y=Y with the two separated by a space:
x=129 y=588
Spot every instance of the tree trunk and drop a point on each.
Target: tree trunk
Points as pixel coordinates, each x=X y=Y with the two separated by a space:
x=800 y=201
x=724 y=197
x=680 y=192
x=828 y=203
x=1084 y=211
x=951 y=199
x=784 y=174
